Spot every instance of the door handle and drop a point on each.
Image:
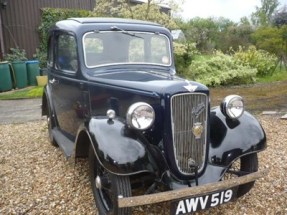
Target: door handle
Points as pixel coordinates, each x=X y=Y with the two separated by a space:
x=53 y=81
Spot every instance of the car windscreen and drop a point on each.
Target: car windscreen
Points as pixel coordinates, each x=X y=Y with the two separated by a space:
x=123 y=47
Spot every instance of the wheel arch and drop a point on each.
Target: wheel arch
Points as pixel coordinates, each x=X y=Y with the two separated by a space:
x=82 y=144
x=116 y=151
x=231 y=139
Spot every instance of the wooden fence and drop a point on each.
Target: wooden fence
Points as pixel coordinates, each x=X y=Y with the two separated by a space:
x=20 y=19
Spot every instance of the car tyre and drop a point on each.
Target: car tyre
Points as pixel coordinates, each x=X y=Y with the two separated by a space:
x=242 y=166
x=248 y=163
x=106 y=195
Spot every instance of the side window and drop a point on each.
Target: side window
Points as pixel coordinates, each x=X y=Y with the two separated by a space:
x=136 y=50
x=66 y=53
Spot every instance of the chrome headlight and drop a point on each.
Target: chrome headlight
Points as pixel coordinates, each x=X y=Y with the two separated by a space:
x=140 y=116
x=232 y=106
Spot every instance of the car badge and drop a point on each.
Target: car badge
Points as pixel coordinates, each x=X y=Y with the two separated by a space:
x=197 y=130
x=196 y=111
x=190 y=87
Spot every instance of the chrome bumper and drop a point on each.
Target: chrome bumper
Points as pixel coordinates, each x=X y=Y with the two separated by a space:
x=188 y=192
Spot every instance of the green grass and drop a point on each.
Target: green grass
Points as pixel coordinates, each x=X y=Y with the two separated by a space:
x=278 y=75
x=26 y=93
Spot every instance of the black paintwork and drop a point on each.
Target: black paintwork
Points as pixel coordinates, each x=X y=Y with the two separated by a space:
x=118 y=148
x=230 y=139
x=80 y=100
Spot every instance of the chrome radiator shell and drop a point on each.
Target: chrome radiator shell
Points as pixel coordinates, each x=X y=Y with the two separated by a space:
x=189 y=114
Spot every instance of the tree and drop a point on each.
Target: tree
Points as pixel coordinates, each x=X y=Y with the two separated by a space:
x=263 y=15
x=280 y=18
x=200 y=31
x=149 y=11
x=244 y=21
x=223 y=23
x=233 y=37
x=271 y=39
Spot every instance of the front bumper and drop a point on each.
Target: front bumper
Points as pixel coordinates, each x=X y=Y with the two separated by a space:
x=188 y=192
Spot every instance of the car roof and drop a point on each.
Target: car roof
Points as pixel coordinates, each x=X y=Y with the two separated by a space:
x=89 y=20
x=95 y=23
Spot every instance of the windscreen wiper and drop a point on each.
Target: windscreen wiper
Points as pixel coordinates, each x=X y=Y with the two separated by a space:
x=116 y=28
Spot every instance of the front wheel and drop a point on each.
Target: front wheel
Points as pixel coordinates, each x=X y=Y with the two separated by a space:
x=107 y=187
x=242 y=166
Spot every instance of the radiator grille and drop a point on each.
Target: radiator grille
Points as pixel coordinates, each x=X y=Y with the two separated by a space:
x=189 y=126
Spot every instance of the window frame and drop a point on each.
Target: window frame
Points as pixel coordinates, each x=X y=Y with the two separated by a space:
x=170 y=56
x=50 y=53
x=56 y=36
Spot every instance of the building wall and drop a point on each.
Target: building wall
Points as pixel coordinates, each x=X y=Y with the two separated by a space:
x=21 y=19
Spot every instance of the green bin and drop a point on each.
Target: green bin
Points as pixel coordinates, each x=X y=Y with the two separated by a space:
x=20 y=72
x=5 y=77
x=32 y=72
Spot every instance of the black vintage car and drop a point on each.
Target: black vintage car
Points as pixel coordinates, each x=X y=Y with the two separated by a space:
x=113 y=96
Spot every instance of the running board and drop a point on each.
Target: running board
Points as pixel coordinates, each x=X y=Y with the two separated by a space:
x=65 y=143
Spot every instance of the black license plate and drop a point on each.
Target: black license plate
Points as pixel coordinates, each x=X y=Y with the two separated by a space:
x=192 y=204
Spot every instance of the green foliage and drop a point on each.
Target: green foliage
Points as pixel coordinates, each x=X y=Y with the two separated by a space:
x=202 y=32
x=263 y=61
x=221 y=69
x=233 y=37
x=105 y=8
x=263 y=15
x=16 y=54
x=271 y=39
x=149 y=11
x=183 y=54
x=280 y=74
x=41 y=56
x=241 y=68
x=216 y=33
x=49 y=17
x=280 y=17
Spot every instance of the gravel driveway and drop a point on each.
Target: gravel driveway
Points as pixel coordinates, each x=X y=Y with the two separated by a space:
x=35 y=178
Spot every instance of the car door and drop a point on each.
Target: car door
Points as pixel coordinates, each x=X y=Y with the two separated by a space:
x=67 y=96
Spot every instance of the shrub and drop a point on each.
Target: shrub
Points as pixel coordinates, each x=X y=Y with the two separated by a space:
x=221 y=69
x=16 y=54
x=263 y=61
x=183 y=55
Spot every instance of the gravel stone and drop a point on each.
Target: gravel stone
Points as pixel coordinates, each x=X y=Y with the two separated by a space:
x=35 y=177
